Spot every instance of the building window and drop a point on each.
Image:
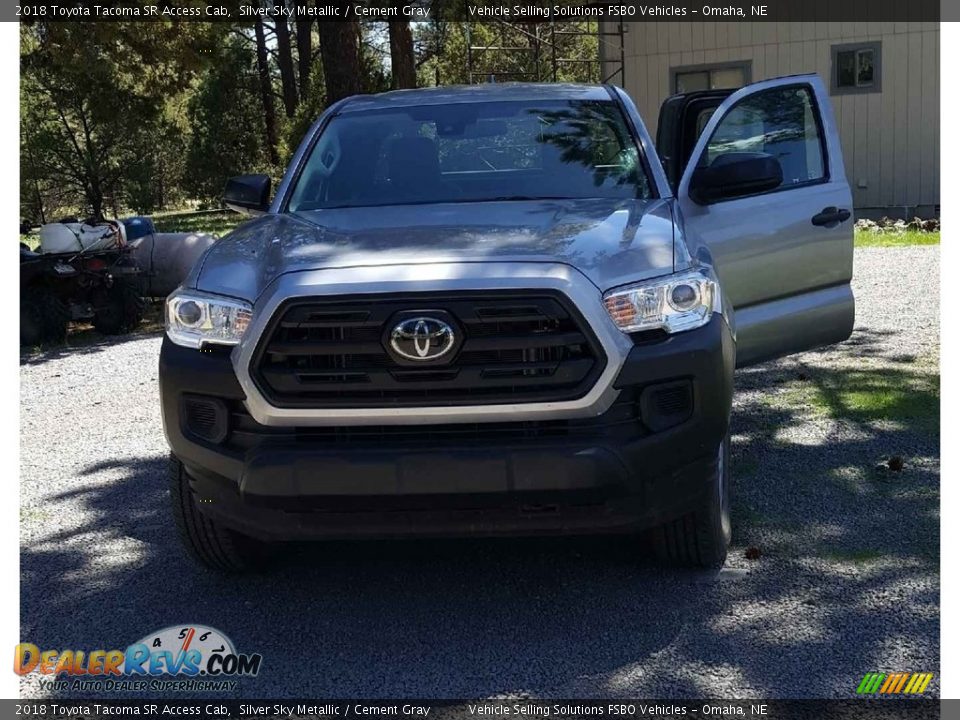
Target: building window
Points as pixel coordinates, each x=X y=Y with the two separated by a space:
x=710 y=77
x=856 y=68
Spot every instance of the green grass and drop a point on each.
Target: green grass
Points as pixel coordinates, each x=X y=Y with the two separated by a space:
x=33 y=514
x=865 y=238
x=884 y=398
x=871 y=395
x=884 y=394
x=219 y=223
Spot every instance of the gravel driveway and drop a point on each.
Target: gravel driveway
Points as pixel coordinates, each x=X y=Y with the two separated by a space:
x=846 y=581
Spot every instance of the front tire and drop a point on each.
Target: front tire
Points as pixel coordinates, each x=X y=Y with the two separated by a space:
x=32 y=331
x=206 y=540
x=700 y=539
x=43 y=317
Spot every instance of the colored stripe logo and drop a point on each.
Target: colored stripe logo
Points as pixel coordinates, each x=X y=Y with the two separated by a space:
x=894 y=683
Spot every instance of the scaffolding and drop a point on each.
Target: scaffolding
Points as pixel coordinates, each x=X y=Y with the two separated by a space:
x=534 y=52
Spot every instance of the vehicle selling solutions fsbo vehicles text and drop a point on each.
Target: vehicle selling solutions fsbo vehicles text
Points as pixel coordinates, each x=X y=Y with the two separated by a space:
x=520 y=12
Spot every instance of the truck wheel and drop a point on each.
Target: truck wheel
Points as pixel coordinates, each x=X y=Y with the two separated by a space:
x=43 y=317
x=206 y=540
x=700 y=539
x=120 y=310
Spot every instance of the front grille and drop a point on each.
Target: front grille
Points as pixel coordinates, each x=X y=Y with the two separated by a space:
x=516 y=348
x=620 y=423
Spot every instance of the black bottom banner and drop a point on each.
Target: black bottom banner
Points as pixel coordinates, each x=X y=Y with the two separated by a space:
x=887 y=709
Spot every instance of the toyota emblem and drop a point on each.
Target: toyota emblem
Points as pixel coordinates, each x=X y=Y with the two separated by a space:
x=422 y=338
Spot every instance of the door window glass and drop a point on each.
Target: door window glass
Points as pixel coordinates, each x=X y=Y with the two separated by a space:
x=703 y=117
x=781 y=122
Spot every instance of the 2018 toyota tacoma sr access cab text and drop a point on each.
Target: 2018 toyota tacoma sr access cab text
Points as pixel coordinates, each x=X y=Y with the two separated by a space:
x=499 y=310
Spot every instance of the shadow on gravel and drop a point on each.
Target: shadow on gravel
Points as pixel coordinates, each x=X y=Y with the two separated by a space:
x=414 y=618
x=865 y=408
x=87 y=342
x=848 y=555
x=859 y=541
x=84 y=340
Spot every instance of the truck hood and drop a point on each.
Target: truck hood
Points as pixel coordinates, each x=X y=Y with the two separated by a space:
x=612 y=242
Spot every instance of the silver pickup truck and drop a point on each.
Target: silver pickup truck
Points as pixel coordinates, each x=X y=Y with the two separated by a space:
x=502 y=309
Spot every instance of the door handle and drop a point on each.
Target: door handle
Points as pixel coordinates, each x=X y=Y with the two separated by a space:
x=830 y=216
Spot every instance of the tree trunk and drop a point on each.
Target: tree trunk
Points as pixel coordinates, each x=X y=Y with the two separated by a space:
x=266 y=93
x=285 y=61
x=161 y=199
x=89 y=159
x=304 y=51
x=402 y=68
x=95 y=199
x=341 y=59
x=36 y=177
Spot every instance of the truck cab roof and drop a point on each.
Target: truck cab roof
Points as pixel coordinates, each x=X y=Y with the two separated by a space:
x=489 y=92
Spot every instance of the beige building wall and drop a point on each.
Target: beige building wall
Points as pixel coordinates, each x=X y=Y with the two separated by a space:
x=890 y=138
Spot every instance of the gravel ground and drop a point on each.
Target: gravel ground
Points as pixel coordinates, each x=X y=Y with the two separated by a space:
x=846 y=581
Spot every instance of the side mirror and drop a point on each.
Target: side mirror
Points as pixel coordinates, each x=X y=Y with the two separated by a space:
x=248 y=194
x=734 y=175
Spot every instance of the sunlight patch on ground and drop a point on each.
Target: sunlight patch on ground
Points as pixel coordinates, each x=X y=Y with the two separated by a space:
x=785 y=622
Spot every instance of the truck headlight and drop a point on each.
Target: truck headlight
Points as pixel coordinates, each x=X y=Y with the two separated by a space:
x=194 y=319
x=675 y=303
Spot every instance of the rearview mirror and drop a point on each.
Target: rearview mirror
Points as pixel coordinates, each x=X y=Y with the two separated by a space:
x=734 y=175
x=248 y=194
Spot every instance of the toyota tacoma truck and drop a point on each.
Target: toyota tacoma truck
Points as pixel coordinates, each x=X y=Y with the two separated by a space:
x=502 y=310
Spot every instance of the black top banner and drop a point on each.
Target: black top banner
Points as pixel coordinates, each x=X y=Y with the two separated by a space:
x=627 y=11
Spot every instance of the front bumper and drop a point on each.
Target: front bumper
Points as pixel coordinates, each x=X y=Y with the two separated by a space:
x=610 y=472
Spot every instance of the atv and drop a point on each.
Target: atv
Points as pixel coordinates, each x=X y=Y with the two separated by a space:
x=97 y=281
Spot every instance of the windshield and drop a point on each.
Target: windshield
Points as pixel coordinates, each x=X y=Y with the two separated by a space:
x=471 y=152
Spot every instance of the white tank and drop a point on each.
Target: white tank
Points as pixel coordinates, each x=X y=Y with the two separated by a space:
x=77 y=237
